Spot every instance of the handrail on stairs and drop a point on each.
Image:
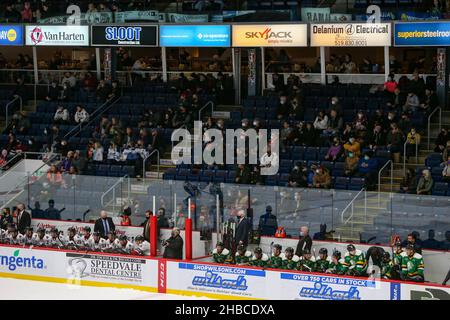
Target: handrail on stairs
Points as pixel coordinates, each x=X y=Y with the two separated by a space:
x=351 y=205
x=16 y=97
x=210 y=102
x=379 y=177
x=404 y=156
x=429 y=123
x=145 y=161
x=113 y=189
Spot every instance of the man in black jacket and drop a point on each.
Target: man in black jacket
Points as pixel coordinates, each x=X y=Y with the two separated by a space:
x=243 y=227
x=173 y=247
x=304 y=241
x=23 y=218
x=268 y=224
x=104 y=225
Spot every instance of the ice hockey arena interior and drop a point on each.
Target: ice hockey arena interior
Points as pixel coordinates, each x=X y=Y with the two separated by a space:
x=224 y=150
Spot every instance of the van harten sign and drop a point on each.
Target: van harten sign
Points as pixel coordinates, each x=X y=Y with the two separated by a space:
x=275 y=35
x=350 y=35
x=42 y=35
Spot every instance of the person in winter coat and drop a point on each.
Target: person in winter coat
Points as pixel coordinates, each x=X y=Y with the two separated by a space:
x=173 y=247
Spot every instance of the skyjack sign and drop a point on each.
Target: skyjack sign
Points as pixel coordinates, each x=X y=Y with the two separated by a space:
x=57 y=36
x=294 y=35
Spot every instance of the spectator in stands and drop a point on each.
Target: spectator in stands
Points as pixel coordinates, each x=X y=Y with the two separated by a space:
x=304 y=241
x=446 y=170
x=431 y=242
x=350 y=164
x=91 y=8
x=26 y=13
x=412 y=143
x=21 y=124
x=66 y=92
x=353 y=146
x=98 y=152
x=445 y=245
x=360 y=124
x=430 y=102
x=243 y=174
x=81 y=115
x=441 y=141
x=404 y=124
x=321 y=178
x=268 y=224
x=412 y=103
x=409 y=182
x=182 y=118
x=335 y=124
x=321 y=122
x=155 y=141
x=79 y=161
x=104 y=225
x=395 y=142
x=366 y=66
x=4 y=158
x=347 y=132
x=283 y=107
x=286 y=135
x=367 y=169
x=335 y=151
x=296 y=110
x=398 y=100
x=53 y=92
x=61 y=115
x=425 y=183
x=348 y=66
x=376 y=138
x=51 y=212
x=66 y=163
x=115 y=90
x=70 y=79
x=54 y=177
x=307 y=136
x=297 y=177
x=336 y=105
x=390 y=85
x=113 y=155
x=446 y=151
x=11 y=14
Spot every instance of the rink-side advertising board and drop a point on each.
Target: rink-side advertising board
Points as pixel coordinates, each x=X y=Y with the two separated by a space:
x=124 y=35
x=79 y=268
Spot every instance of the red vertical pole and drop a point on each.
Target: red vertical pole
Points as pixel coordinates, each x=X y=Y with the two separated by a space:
x=153 y=235
x=188 y=236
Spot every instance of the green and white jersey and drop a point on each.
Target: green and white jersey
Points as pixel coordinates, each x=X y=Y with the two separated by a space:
x=290 y=264
x=355 y=264
x=337 y=268
x=413 y=266
x=223 y=257
x=322 y=265
x=398 y=257
x=276 y=262
x=386 y=269
x=307 y=265
x=245 y=259
x=262 y=263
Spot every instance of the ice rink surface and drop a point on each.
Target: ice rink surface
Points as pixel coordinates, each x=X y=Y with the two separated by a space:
x=15 y=289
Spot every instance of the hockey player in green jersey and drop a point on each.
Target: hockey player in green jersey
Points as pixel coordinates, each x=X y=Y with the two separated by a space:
x=323 y=261
x=355 y=262
x=242 y=257
x=386 y=266
x=412 y=265
x=221 y=254
x=259 y=258
x=290 y=260
x=276 y=260
x=307 y=262
x=337 y=264
x=397 y=258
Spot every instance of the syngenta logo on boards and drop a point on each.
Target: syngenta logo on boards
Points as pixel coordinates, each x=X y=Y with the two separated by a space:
x=250 y=147
x=16 y=261
x=268 y=34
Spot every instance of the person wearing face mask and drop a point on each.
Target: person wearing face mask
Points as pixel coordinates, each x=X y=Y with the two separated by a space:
x=377 y=137
x=243 y=228
x=367 y=169
x=297 y=177
x=304 y=241
x=335 y=105
x=321 y=122
x=390 y=85
x=446 y=170
x=283 y=107
x=353 y=146
x=321 y=178
x=394 y=142
x=412 y=103
x=425 y=183
x=335 y=123
x=408 y=184
x=412 y=143
x=335 y=151
x=350 y=164
x=53 y=92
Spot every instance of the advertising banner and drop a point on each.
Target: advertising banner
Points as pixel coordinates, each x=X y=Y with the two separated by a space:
x=316 y=14
x=195 y=36
x=85 y=18
x=424 y=292
x=78 y=267
x=186 y=18
x=41 y=35
x=221 y=281
x=275 y=35
x=124 y=35
x=149 y=15
x=11 y=35
x=419 y=34
x=303 y=286
x=350 y=35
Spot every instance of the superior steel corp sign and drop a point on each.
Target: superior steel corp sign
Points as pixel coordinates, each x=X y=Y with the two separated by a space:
x=350 y=35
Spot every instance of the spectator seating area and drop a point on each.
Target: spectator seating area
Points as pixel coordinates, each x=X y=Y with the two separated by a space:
x=433 y=163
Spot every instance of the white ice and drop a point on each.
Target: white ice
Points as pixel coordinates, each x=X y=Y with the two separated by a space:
x=15 y=289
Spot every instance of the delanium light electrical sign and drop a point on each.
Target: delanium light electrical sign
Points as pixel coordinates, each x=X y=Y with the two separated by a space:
x=41 y=35
x=195 y=36
x=350 y=35
x=125 y=35
x=11 y=35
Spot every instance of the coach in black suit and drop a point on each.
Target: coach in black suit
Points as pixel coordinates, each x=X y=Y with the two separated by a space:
x=104 y=225
x=23 y=218
x=243 y=228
